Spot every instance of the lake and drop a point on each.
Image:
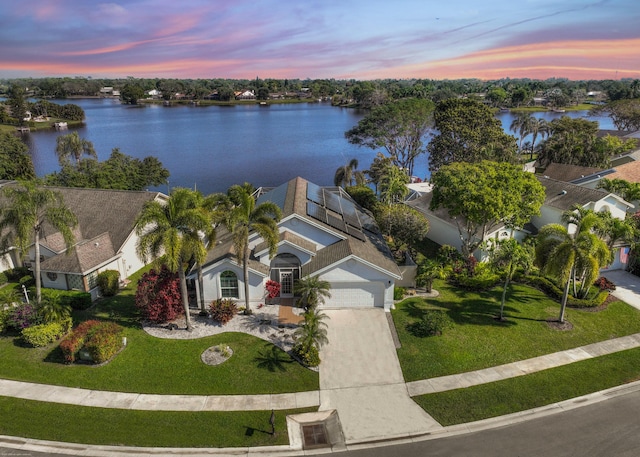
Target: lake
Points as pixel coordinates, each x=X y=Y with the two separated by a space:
x=214 y=147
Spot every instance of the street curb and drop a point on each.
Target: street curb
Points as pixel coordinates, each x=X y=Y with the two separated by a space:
x=27 y=444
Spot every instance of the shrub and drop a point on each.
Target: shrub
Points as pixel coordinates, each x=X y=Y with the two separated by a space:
x=44 y=334
x=309 y=356
x=604 y=284
x=101 y=339
x=3 y=278
x=76 y=299
x=433 y=323
x=5 y=312
x=75 y=341
x=104 y=341
x=14 y=274
x=27 y=281
x=158 y=296
x=23 y=316
x=223 y=310
x=108 y=282
x=398 y=293
x=553 y=291
x=273 y=288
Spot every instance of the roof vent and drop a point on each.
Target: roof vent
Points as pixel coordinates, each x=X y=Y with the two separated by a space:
x=96 y=244
x=564 y=192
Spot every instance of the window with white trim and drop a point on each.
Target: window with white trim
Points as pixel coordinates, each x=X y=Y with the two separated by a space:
x=229 y=284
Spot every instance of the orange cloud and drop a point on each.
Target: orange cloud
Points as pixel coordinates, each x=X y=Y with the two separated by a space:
x=590 y=59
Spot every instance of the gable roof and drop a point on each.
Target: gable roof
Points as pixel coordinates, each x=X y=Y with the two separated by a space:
x=563 y=195
x=567 y=173
x=365 y=243
x=106 y=217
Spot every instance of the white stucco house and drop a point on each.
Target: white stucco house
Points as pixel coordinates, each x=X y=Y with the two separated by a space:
x=322 y=232
x=105 y=239
x=559 y=197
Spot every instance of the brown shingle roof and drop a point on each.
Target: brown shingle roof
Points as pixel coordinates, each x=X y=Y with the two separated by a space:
x=564 y=195
x=567 y=173
x=629 y=172
x=84 y=257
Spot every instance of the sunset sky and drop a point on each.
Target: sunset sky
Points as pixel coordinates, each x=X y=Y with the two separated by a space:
x=342 y=39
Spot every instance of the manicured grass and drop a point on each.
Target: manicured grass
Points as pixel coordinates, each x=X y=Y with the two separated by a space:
x=532 y=391
x=77 y=424
x=477 y=340
x=161 y=366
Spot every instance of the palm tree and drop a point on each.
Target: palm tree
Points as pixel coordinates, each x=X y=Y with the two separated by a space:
x=347 y=175
x=174 y=228
x=312 y=291
x=245 y=217
x=25 y=212
x=520 y=125
x=312 y=332
x=393 y=185
x=52 y=309
x=72 y=145
x=535 y=127
x=510 y=255
x=571 y=257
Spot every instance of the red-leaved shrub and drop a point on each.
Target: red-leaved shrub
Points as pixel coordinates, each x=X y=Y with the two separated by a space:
x=158 y=296
x=273 y=288
x=223 y=310
x=101 y=339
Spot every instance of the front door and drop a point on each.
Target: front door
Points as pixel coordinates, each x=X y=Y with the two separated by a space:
x=286 y=283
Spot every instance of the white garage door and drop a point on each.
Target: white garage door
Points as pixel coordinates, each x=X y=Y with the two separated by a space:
x=355 y=295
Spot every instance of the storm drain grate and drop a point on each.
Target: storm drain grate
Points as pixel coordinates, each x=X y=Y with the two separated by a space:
x=315 y=435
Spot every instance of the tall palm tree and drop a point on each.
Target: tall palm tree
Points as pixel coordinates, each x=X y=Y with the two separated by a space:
x=72 y=146
x=25 y=212
x=347 y=175
x=245 y=217
x=312 y=291
x=571 y=257
x=174 y=228
x=520 y=125
x=535 y=127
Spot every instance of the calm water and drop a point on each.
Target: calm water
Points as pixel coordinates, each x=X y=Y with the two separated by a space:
x=214 y=147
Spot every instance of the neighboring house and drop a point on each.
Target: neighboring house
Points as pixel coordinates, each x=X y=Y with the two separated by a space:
x=443 y=229
x=105 y=239
x=245 y=95
x=560 y=196
x=322 y=232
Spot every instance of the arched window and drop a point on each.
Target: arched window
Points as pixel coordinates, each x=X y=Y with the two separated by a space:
x=229 y=284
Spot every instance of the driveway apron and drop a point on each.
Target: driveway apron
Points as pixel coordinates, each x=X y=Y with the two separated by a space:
x=627 y=286
x=360 y=377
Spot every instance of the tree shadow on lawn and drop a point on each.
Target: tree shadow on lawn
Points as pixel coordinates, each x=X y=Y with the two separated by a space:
x=472 y=311
x=273 y=358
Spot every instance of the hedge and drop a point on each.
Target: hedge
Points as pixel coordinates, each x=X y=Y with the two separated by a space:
x=549 y=288
x=76 y=299
x=101 y=339
x=44 y=334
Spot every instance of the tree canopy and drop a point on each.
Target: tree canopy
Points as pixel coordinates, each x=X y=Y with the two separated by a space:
x=468 y=131
x=15 y=161
x=482 y=195
x=398 y=127
x=624 y=113
x=119 y=171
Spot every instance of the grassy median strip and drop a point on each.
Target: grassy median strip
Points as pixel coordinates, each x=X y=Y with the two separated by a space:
x=477 y=340
x=532 y=391
x=78 y=424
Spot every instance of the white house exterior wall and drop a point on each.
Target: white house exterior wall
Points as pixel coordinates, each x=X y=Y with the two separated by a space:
x=321 y=238
x=211 y=279
x=130 y=262
x=615 y=207
x=443 y=233
x=286 y=248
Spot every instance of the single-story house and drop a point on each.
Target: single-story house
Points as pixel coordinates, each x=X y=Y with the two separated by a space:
x=322 y=232
x=105 y=239
x=560 y=196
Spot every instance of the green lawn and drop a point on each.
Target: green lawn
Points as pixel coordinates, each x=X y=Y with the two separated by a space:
x=532 y=391
x=161 y=366
x=478 y=341
x=77 y=424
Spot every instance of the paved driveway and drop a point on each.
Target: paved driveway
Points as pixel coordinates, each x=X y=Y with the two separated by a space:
x=627 y=286
x=360 y=377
